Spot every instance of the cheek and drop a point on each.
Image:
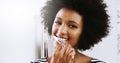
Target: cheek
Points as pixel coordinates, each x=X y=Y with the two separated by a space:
x=75 y=37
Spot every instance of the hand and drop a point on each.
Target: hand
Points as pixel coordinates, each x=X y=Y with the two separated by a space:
x=64 y=53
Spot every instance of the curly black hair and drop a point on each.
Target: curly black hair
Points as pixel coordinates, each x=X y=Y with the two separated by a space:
x=95 y=19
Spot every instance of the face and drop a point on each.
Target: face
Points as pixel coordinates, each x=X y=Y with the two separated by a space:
x=68 y=25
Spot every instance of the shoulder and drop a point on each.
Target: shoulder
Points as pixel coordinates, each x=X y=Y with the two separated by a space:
x=93 y=60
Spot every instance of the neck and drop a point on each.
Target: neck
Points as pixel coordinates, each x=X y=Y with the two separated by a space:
x=81 y=58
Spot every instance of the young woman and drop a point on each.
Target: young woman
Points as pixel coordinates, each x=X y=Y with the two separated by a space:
x=75 y=25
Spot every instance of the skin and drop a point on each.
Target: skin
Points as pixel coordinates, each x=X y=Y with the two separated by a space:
x=67 y=25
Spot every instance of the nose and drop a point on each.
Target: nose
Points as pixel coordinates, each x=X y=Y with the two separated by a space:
x=62 y=31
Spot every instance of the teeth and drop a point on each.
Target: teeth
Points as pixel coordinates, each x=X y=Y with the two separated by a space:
x=62 y=39
x=59 y=39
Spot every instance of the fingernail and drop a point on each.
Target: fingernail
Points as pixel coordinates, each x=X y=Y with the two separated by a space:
x=63 y=46
x=73 y=56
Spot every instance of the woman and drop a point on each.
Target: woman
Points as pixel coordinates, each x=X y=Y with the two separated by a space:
x=75 y=25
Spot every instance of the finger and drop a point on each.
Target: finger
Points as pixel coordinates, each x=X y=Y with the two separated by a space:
x=55 y=57
x=67 y=51
x=72 y=53
x=70 y=57
x=64 y=48
x=57 y=50
x=58 y=47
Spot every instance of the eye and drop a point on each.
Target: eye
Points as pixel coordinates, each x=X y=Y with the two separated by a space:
x=58 y=22
x=73 y=26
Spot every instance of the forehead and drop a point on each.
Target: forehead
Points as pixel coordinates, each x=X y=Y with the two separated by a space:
x=68 y=14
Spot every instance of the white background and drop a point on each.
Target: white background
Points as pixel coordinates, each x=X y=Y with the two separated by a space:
x=20 y=32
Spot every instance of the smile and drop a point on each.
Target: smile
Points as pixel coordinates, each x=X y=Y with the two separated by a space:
x=60 y=39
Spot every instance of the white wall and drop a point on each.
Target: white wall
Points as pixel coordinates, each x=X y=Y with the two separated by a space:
x=18 y=27
x=20 y=32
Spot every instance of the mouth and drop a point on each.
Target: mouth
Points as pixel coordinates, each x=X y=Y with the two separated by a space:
x=60 y=39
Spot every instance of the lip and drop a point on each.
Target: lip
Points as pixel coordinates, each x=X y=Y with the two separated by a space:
x=60 y=39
